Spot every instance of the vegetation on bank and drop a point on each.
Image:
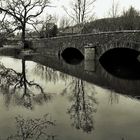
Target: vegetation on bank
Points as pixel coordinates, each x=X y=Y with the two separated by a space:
x=129 y=20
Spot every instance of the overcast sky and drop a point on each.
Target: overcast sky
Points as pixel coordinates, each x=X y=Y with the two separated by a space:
x=101 y=6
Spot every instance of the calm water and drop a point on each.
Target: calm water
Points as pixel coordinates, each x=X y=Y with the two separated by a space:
x=39 y=102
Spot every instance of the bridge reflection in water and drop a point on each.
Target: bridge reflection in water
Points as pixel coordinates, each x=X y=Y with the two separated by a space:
x=94 y=72
x=122 y=62
x=84 y=110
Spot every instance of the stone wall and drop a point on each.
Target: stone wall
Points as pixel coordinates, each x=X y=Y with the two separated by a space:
x=100 y=41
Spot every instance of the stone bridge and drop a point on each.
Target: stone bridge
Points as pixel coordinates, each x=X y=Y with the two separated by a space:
x=101 y=42
x=86 y=43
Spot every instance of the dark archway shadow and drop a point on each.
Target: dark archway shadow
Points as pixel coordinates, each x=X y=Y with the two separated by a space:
x=72 y=56
x=122 y=62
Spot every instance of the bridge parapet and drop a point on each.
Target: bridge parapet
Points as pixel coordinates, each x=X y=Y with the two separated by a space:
x=101 y=41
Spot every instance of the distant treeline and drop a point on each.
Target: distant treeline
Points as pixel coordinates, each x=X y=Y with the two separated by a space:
x=129 y=20
x=48 y=30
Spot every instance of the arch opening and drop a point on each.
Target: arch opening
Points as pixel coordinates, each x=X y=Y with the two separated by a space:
x=122 y=62
x=72 y=56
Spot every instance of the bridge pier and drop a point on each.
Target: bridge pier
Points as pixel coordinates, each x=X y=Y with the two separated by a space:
x=89 y=53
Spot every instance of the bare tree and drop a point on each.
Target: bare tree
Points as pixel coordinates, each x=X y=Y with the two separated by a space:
x=23 y=12
x=64 y=22
x=113 y=13
x=45 y=28
x=7 y=29
x=80 y=10
x=130 y=19
x=49 y=27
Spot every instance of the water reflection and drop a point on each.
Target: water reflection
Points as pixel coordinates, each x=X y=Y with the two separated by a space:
x=83 y=104
x=49 y=74
x=81 y=95
x=33 y=129
x=15 y=84
x=94 y=73
x=115 y=118
x=113 y=98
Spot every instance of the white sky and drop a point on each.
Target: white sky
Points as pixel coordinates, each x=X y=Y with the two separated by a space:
x=101 y=8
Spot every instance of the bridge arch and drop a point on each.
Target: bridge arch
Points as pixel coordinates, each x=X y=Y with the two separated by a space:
x=122 y=62
x=118 y=44
x=72 y=55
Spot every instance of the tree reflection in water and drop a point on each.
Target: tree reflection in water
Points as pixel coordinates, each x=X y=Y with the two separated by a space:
x=33 y=129
x=15 y=84
x=83 y=105
x=113 y=98
x=49 y=74
x=80 y=94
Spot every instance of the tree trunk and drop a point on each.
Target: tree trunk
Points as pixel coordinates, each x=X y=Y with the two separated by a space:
x=24 y=76
x=23 y=36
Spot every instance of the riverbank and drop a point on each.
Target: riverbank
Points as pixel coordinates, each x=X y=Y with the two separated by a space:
x=10 y=50
x=15 y=51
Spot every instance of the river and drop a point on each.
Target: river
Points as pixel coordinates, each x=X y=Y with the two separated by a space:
x=43 y=97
